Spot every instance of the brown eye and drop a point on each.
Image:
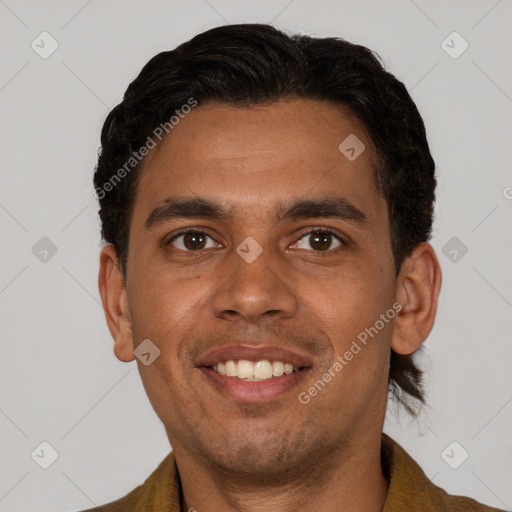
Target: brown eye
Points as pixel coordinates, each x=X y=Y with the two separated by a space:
x=320 y=240
x=190 y=241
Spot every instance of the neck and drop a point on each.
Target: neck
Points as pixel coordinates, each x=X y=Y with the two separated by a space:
x=351 y=478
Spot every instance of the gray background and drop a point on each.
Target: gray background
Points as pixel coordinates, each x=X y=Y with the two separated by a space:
x=60 y=380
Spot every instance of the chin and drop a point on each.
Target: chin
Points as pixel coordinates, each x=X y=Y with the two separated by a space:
x=263 y=459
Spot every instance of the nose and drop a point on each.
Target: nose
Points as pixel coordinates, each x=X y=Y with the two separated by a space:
x=255 y=290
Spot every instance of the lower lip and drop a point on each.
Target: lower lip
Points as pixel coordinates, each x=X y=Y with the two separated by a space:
x=254 y=391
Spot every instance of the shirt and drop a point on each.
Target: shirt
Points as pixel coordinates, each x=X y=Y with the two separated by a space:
x=409 y=488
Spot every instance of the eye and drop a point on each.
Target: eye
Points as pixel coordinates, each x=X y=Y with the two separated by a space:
x=190 y=241
x=320 y=240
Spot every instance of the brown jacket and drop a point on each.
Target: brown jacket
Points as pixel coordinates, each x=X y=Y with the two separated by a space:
x=409 y=489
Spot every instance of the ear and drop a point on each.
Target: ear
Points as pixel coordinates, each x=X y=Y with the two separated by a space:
x=115 y=303
x=418 y=287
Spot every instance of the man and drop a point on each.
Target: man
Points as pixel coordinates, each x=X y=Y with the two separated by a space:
x=267 y=202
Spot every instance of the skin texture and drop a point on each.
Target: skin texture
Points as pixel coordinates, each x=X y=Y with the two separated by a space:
x=279 y=454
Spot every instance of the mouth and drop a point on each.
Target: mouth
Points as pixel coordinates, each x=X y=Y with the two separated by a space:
x=258 y=371
x=254 y=375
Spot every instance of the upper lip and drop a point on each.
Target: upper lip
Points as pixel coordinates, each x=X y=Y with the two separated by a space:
x=252 y=353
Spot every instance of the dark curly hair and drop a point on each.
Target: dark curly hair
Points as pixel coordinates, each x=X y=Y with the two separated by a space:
x=249 y=64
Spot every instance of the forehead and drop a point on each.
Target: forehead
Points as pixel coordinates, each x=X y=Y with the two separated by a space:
x=248 y=158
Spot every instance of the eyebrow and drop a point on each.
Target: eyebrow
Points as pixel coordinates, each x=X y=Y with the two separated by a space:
x=191 y=208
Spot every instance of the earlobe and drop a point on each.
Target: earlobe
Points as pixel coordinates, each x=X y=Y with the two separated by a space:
x=115 y=304
x=418 y=287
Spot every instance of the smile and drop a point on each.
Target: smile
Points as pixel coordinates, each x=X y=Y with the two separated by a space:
x=253 y=374
x=244 y=369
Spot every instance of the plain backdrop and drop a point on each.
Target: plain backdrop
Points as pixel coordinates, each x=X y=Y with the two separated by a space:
x=60 y=381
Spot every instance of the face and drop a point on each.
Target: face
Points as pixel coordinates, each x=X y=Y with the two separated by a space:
x=289 y=262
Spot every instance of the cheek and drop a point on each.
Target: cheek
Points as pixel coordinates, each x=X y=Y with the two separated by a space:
x=349 y=310
x=169 y=313
x=347 y=302
x=158 y=303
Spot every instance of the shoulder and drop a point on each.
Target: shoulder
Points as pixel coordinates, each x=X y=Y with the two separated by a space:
x=160 y=491
x=130 y=502
x=464 y=504
x=452 y=503
x=410 y=489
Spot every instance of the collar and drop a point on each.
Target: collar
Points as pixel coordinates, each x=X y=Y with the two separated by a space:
x=409 y=488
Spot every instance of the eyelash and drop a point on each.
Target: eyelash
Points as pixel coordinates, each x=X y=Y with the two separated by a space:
x=332 y=232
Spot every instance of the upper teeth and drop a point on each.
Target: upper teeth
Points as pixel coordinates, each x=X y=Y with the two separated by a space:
x=247 y=370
